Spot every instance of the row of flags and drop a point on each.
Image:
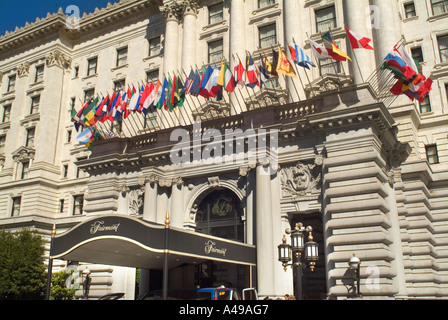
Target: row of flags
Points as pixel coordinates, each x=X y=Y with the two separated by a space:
x=212 y=80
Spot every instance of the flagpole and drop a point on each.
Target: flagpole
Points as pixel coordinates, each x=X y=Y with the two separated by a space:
x=239 y=89
x=192 y=99
x=247 y=91
x=284 y=77
x=264 y=54
x=186 y=100
x=201 y=105
x=297 y=71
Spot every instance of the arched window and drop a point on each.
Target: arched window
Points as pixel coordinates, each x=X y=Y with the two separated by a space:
x=219 y=214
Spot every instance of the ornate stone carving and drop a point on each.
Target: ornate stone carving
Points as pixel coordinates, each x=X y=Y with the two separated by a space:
x=173 y=11
x=56 y=57
x=135 y=201
x=23 y=154
x=211 y=110
x=267 y=97
x=191 y=6
x=301 y=180
x=23 y=69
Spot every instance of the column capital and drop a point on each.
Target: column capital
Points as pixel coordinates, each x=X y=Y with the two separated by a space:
x=173 y=11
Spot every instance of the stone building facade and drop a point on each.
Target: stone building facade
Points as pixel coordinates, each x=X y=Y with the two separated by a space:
x=367 y=172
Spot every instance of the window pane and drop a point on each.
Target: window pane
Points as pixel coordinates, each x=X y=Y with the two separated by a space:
x=268 y=36
x=325 y=19
x=92 y=66
x=215 y=51
x=11 y=83
x=78 y=204
x=215 y=13
x=16 y=206
x=431 y=154
x=443 y=48
x=35 y=105
x=265 y=3
x=39 y=74
x=122 y=57
x=439 y=6
x=30 y=138
x=154 y=47
x=6 y=113
x=425 y=105
x=409 y=9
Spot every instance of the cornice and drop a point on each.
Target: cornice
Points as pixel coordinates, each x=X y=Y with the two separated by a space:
x=58 y=24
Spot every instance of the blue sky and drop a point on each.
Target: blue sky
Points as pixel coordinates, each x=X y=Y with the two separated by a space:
x=17 y=12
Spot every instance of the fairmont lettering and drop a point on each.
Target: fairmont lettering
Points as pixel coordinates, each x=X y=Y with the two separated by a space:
x=98 y=226
x=210 y=247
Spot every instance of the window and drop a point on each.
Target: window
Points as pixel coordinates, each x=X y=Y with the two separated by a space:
x=11 y=83
x=30 y=137
x=409 y=10
x=119 y=84
x=154 y=47
x=150 y=120
x=68 y=137
x=39 y=74
x=152 y=76
x=76 y=71
x=61 y=206
x=417 y=54
x=265 y=3
x=24 y=174
x=15 y=209
x=92 y=66
x=6 y=113
x=35 y=105
x=329 y=66
x=215 y=51
x=88 y=94
x=219 y=214
x=215 y=13
x=431 y=154
x=425 y=105
x=78 y=204
x=117 y=125
x=65 y=171
x=439 y=6
x=443 y=48
x=122 y=57
x=325 y=19
x=267 y=36
x=2 y=144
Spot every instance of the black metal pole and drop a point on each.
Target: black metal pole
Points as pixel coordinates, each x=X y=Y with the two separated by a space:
x=165 y=258
x=358 y=275
x=50 y=264
x=298 y=277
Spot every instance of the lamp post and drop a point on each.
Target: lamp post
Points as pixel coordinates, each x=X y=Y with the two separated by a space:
x=355 y=266
x=293 y=252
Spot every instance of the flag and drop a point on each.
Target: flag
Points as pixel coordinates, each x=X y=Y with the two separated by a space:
x=301 y=58
x=251 y=73
x=179 y=93
x=148 y=99
x=132 y=106
x=264 y=73
x=195 y=84
x=162 y=98
x=212 y=85
x=319 y=51
x=170 y=95
x=207 y=73
x=358 y=42
x=152 y=96
x=240 y=74
x=333 y=51
x=226 y=79
x=89 y=114
x=189 y=81
x=283 y=65
x=145 y=94
x=85 y=136
x=395 y=63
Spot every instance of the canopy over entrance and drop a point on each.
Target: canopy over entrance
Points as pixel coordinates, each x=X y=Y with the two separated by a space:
x=125 y=241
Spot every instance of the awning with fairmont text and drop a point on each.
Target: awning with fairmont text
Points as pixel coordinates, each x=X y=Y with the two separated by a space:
x=126 y=241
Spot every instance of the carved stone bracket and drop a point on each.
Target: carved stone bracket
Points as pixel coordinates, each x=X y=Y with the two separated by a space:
x=301 y=180
x=135 y=201
x=59 y=59
x=23 y=154
x=23 y=69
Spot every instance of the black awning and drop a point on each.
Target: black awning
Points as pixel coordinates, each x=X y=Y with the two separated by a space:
x=125 y=241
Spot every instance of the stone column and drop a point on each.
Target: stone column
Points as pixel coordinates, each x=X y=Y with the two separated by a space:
x=385 y=21
x=264 y=233
x=293 y=31
x=363 y=60
x=172 y=13
x=189 y=35
x=237 y=46
x=150 y=199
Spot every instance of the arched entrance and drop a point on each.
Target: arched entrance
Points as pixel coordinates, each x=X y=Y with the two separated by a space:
x=220 y=213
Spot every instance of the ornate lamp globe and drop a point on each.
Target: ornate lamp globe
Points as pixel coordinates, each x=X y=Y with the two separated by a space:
x=284 y=252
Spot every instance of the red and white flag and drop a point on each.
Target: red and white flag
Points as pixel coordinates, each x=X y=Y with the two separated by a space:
x=357 y=41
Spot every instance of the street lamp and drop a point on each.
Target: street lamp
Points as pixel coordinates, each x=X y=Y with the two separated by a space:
x=296 y=248
x=355 y=266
